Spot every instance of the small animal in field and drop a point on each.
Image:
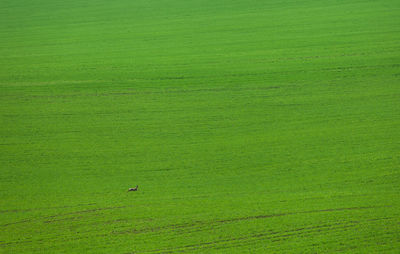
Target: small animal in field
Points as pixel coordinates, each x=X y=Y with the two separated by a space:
x=133 y=189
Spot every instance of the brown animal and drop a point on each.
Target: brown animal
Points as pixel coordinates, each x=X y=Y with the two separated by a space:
x=133 y=189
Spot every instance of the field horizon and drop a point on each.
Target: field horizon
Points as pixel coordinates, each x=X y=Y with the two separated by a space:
x=249 y=126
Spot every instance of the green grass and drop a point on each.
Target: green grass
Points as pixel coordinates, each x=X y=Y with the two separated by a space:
x=249 y=126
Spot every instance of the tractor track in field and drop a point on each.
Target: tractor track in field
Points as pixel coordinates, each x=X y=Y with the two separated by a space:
x=211 y=244
x=273 y=236
x=63 y=214
x=169 y=91
x=44 y=208
x=198 y=224
x=183 y=225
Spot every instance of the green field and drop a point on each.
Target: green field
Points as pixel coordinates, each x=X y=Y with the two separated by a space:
x=249 y=126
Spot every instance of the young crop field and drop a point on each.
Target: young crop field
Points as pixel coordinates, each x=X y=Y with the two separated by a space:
x=248 y=126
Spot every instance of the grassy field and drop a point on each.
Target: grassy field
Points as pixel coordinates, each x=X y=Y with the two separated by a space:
x=249 y=126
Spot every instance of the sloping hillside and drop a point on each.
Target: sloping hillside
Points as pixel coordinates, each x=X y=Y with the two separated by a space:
x=249 y=126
